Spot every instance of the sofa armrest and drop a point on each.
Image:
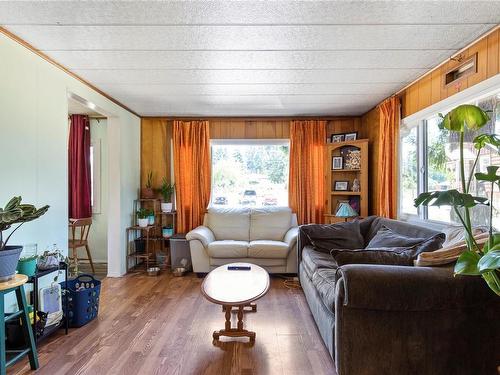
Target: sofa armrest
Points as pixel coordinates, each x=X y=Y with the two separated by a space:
x=202 y=234
x=291 y=236
x=402 y=288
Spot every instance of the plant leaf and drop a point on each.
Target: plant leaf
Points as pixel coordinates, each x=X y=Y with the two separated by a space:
x=465 y=115
x=448 y=198
x=490 y=261
x=495 y=240
x=490 y=175
x=487 y=139
x=467 y=263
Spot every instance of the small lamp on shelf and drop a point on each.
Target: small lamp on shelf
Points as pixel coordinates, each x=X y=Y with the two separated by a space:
x=346 y=211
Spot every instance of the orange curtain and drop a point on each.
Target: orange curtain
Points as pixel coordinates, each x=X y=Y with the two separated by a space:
x=389 y=112
x=192 y=172
x=305 y=190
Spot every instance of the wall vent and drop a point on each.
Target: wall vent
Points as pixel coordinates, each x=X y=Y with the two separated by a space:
x=461 y=71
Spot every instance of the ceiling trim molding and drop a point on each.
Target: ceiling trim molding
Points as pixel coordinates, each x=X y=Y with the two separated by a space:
x=250 y=118
x=25 y=44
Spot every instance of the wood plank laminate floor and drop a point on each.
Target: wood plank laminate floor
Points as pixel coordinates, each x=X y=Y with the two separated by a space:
x=163 y=325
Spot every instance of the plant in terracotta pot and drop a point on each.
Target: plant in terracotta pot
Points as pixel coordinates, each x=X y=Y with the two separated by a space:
x=477 y=260
x=14 y=214
x=167 y=190
x=148 y=192
x=143 y=217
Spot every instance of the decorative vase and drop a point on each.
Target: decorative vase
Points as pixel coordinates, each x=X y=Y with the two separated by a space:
x=151 y=219
x=166 y=207
x=8 y=262
x=143 y=223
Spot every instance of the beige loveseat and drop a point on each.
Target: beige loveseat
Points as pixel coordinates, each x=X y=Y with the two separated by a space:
x=263 y=236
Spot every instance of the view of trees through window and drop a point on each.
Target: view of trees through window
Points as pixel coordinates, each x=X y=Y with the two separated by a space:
x=250 y=174
x=442 y=157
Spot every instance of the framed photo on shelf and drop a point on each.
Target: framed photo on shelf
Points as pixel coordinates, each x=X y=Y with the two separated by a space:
x=341 y=186
x=351 y=136
x=336 y=138
x=337 y=162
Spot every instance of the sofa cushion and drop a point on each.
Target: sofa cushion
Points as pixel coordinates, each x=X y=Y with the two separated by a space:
x=325 y=237
x=270 y=223
x=268 y=249
x=313 y=260
x=228 y=249
x=396 y=256
x=324 y=280
x=386 y=237
x=229 y=223
x=372 y=224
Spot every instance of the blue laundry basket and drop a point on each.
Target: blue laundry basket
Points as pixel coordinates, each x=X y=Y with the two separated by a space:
x=83 y=303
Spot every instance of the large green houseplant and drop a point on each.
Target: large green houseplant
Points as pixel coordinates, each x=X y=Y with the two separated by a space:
x=14 y=214
x=477 y=260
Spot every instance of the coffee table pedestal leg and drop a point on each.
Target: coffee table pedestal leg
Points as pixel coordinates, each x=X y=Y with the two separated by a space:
x=234 y=332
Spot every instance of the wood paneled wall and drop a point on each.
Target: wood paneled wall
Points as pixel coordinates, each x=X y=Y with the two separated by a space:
x=370 y=129
x=431 y=89
x=251 y=129
x=156 y=135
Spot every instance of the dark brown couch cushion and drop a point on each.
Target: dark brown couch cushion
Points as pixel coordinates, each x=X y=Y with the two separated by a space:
x=396 y=256
x=325 y=237
x=386 y=237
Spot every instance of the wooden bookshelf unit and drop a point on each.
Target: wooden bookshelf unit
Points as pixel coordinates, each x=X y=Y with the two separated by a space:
x=345 y=173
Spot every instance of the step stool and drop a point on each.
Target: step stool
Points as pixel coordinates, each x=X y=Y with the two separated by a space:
x=16 y=285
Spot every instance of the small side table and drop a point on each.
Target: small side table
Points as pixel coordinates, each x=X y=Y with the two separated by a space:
x=16 y=285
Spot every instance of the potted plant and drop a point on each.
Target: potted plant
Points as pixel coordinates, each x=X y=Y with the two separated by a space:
x=151 y=217
x=142 y=217
x=477 y=260
x=168 y=231
x=166 y=190
x=148 y=192
x=28 y=260
x=14 y=213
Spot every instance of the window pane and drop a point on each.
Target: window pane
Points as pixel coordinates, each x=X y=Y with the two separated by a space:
x=250 y=175
x=488 y=157
x=408 y=178
x=443 y=166
x=443 y=158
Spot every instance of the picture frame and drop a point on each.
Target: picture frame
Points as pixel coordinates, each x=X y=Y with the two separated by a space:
x=337 y=138
x=337 y=162
x=351 y=136
x=341 y=186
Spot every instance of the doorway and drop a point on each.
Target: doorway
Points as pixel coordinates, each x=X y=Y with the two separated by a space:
x=97 y=227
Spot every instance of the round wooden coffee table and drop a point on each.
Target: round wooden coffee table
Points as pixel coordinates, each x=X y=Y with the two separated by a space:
x=235 y=288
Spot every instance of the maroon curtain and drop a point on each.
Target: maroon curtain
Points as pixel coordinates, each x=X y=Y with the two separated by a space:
x=79 y=167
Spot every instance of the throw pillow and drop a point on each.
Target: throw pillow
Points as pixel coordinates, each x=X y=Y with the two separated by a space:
x=325 y=237
x=386 y=237
x=396 y=256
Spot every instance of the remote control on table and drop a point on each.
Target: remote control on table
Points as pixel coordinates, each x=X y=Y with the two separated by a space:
x=238 y=268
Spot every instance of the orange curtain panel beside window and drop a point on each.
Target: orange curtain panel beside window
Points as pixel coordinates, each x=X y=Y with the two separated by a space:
x=306 y=185
x=192 y=172
x=389 y=111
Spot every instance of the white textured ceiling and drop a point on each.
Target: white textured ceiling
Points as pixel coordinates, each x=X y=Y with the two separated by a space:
x=267 y=58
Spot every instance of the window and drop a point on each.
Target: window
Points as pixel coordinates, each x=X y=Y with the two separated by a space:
x=430 y=161
x=249 y=173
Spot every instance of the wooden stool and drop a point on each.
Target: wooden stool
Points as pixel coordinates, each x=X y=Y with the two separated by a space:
x=17 y=285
